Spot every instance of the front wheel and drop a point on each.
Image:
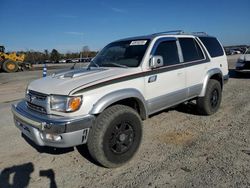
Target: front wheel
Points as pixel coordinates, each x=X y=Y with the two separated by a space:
x=115 y=136
x=210 y=103
x=10 y=66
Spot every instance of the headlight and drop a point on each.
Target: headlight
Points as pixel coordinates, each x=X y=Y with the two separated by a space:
x=65 y=103
x=26 y=90
x=26 y=93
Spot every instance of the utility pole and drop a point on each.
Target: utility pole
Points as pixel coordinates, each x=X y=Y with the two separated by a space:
x=81 y=53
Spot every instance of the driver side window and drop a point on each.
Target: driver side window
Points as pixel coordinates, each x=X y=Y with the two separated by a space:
x=169 y=52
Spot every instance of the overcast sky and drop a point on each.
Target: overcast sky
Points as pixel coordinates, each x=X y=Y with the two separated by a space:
x=68 y=25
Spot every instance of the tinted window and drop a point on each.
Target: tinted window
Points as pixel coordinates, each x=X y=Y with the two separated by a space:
x=168 y=51
x=213 y=46
x=190 y=49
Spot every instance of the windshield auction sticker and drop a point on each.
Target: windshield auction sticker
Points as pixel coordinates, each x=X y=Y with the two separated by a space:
x=138 y=42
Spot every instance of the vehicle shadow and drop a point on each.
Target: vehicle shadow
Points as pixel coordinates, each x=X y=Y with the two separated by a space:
x=188 y=108
x=21 y=176
x=239 y=75
x=82 y=149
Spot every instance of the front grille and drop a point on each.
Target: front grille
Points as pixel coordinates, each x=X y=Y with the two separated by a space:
x=36 y=107
x=36 y=101
x=37 y=95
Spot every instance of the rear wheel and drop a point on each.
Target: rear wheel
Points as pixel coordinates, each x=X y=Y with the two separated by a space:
x=210 y=103
x=116 y=136
x=10 y=66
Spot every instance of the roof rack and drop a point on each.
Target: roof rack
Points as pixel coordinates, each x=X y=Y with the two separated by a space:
x=177 y=32
x=200 y=33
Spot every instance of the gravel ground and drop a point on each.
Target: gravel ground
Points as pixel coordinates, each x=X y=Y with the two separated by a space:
x=179 y=147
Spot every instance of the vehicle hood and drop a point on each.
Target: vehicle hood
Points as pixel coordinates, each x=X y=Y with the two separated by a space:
x=62 y=83
x=245 y=57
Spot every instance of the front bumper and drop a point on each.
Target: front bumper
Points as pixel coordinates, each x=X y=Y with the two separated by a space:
x=243 y=66
x=51 y=130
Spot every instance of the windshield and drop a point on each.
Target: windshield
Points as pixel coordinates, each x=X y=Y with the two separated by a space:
x=121 y=54
x=248 y=51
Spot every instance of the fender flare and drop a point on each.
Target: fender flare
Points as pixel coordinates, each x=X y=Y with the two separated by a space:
x=209 y=74
x=118 y=95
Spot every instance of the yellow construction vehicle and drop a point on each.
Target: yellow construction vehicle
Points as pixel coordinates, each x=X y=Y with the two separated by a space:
x=10 y=62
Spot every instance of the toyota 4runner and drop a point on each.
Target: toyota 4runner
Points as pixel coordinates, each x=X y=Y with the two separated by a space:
x=103 y=105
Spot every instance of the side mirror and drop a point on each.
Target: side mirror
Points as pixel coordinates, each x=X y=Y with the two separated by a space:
x=156 y=61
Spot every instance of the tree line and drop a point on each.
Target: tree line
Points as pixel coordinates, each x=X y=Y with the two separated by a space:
x=54 y=56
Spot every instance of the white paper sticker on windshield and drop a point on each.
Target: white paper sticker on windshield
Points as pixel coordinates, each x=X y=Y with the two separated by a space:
x=138 y=42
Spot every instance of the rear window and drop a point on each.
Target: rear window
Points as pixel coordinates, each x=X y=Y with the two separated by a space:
x=190 y=50
x=213 y=46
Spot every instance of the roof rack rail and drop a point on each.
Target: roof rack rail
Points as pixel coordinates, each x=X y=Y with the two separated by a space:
x=200 y=33
x=177 y=32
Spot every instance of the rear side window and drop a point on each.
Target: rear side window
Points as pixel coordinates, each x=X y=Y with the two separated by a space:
x=190 y=50
x=213 y=46
x=168 y=51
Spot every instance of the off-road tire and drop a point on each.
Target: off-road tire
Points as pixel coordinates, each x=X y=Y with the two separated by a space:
x=210 y=103
x=116 y=124
x=10 y=66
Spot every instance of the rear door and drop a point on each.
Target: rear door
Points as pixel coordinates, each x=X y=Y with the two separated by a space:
x=196 y=65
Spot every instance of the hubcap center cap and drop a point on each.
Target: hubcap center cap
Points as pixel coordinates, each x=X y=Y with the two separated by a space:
x=122 y=137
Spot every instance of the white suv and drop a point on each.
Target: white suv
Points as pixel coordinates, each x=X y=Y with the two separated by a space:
x=104 y=104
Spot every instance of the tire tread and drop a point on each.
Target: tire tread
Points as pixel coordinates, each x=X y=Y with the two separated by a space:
x=203 y=103
x=97 y=133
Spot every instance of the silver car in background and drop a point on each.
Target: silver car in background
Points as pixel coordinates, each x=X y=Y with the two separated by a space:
x=243 y=63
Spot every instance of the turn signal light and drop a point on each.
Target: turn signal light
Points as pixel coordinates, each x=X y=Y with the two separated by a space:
x=74 y=103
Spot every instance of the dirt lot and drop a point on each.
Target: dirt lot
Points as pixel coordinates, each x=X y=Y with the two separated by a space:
x=179 y=148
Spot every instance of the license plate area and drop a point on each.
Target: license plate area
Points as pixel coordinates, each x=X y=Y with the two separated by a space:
x=25 y=129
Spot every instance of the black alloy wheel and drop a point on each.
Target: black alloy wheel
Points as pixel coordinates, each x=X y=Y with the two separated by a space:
x=214 y=98
x=116 y=136
x=121 y=138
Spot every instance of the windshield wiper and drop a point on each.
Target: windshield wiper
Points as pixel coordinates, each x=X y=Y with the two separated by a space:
x=92 y=62
x=73 y=67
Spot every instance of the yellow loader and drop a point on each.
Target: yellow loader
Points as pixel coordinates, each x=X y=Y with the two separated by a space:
x=11 y=62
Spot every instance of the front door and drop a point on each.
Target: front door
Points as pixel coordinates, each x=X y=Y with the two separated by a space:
x=165 y=86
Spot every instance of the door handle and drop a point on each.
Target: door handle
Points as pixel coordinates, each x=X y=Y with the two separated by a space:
x=179 y=73
x=152 y=78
